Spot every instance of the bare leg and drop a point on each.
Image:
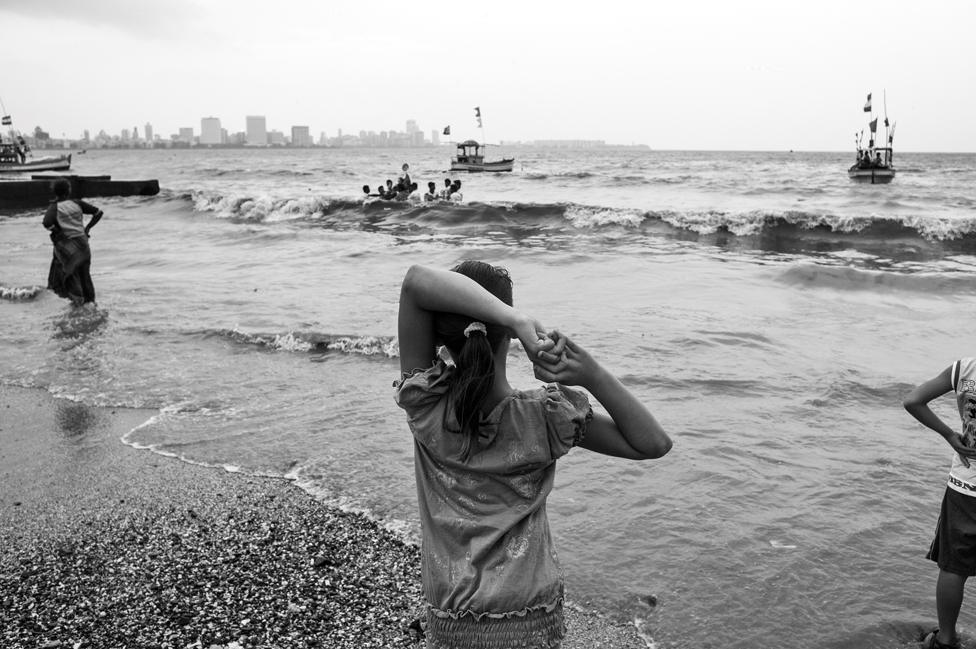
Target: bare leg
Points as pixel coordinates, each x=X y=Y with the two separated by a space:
x=949 y=591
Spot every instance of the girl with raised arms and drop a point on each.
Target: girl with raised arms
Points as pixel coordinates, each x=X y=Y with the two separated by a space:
x=485 y=453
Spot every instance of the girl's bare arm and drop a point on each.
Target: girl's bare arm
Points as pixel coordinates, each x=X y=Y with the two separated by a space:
x=428 y=290
x=630 y=430
x=917 y=405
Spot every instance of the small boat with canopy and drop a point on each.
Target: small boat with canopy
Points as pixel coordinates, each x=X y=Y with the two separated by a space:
x=470 y=158
x=471 y=154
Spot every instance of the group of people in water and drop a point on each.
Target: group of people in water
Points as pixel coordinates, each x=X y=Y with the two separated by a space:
x=404 y=189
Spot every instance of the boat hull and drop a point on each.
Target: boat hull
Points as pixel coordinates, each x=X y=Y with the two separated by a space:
x=59 y=163
x=38 y=191
x=875 y=176
x=497 y=165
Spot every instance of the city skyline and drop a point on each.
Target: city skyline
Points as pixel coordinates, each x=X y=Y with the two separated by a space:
x=750 y=75
x=256 y=133
x=212 y=133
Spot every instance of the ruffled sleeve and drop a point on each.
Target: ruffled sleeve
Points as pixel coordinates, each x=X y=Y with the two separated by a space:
x=567 y=412
x=418 y=391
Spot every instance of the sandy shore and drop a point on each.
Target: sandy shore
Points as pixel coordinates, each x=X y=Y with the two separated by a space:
x=108 y=546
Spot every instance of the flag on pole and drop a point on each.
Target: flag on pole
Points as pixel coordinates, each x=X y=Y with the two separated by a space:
x=447 y=130
x=867 y=104
x=477 y=114
x=873 y=124
x=6 y=121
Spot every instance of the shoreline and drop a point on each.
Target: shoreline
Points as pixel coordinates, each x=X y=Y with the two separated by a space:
x=109 y=545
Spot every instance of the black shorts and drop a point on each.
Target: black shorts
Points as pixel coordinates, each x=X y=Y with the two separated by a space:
x=954 y=545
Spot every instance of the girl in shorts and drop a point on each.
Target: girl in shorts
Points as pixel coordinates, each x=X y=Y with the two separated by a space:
x=954 y=545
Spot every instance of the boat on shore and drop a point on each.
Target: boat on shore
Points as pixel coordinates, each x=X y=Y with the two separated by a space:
x=874 y=164
x=38 y=190
x=470 y=158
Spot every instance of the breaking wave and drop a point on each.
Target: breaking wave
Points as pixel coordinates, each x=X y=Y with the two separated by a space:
x=314 y=342
x=886 y=226
x=20 y=293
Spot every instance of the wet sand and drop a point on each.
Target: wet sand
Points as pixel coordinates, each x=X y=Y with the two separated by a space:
x=109 y=546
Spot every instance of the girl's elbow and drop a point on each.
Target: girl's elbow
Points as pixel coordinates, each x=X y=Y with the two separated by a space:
x=665 y=447
x=411 y=275
x=412 y=279
x=657 y=450
x=911 y=402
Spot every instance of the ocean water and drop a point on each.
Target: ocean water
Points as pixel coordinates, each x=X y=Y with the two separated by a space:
x=772 y=314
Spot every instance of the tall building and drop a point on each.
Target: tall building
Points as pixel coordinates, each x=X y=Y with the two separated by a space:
x=435 y=137
x=300 y=136
x=210 y=132
x=186 y=135
x=148 y=130
x=257 y=131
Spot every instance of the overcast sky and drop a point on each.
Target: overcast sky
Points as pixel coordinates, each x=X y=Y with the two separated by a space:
x=672 y=74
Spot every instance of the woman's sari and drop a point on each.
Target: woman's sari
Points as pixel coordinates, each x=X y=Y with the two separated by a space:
x=71 y=256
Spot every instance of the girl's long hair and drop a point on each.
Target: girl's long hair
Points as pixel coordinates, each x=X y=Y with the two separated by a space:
x=473 y=354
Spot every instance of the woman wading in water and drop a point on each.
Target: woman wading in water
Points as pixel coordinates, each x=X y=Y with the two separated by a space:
x=70 y=273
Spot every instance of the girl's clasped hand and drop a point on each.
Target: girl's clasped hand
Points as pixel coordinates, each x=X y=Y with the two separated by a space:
x=563 y=361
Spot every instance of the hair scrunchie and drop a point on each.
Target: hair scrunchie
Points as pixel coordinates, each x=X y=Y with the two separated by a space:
x=475 y=326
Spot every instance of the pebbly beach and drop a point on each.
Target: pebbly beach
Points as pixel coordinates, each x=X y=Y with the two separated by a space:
x=105 y=545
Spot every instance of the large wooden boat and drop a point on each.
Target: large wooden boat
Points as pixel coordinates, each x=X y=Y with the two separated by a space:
x=14 y=152
x=470 y=158
x=38 y=190
x=13 y=161
x=874 y=164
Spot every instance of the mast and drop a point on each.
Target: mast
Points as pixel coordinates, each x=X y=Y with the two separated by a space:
x=884 y=99
x=870 y=110
x=890 y=136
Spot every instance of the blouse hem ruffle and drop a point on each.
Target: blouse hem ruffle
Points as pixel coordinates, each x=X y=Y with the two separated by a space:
x=534 y=627
x=456 y=615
